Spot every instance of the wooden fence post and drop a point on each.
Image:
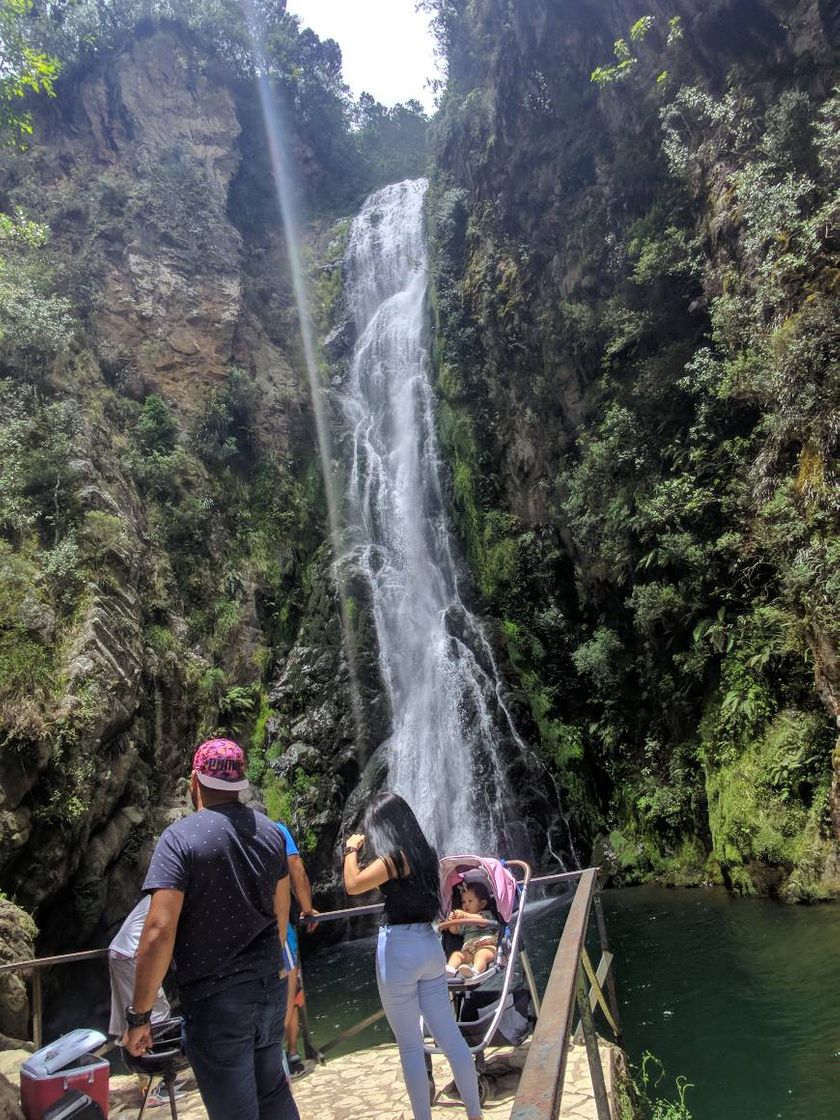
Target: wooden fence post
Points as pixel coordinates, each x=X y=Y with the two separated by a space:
x=612 y=994
x=37 y=1009
x=593 y=1053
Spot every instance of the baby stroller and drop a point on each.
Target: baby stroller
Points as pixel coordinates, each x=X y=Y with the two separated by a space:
x=492 y=1008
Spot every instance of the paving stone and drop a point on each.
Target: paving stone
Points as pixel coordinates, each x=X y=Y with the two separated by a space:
x=368 y=1085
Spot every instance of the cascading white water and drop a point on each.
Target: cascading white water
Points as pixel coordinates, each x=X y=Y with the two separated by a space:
x=444 y=749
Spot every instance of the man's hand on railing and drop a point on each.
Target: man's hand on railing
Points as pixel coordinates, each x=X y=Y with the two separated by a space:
x=312 y=913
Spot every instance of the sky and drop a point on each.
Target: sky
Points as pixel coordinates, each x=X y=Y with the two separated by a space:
x=386 y=46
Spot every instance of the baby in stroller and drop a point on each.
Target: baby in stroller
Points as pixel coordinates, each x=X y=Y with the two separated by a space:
x=481 y=938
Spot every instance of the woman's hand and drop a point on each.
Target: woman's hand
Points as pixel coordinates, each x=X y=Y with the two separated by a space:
x=357 y=840
x=356 y=880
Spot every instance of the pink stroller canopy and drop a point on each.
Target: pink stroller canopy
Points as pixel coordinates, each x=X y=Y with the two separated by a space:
x=500 y=882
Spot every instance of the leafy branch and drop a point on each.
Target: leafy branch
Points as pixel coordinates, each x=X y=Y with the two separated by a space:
x=23 y=69
x=628 y=55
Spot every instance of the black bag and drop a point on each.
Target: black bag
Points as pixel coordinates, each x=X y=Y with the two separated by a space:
x=74 y=1105
x=477 y=1013
x=167 y=1052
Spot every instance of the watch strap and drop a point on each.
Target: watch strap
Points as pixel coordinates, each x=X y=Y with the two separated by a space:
x=137 y=1018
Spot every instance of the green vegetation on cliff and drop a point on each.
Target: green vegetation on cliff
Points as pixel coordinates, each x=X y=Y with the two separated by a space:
x=161 y=508
x=25 y=70
x=637 y=351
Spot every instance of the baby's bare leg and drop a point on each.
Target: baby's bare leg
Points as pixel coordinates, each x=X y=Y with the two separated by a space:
x=483 y=959
x=456 y=959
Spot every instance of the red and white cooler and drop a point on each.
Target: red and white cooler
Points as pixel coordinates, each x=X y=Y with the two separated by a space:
x=67 y=1063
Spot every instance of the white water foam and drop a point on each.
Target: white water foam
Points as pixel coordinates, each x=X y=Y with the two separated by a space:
x=437 y=666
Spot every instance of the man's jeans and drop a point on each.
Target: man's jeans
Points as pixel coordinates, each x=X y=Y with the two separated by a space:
x=234 y=1041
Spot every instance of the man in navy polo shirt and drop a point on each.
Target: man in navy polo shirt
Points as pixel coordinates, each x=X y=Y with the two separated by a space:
x=220 y=908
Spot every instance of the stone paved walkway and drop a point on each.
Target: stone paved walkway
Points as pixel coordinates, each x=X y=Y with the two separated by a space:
x=368 y=1086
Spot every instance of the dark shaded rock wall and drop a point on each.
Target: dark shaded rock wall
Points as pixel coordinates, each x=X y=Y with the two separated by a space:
x=560 y=346
x=133 y=167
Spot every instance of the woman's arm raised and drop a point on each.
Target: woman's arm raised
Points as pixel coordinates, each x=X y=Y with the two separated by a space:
x=356 y=880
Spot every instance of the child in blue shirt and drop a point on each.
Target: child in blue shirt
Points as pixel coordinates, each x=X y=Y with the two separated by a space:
x=302 y=892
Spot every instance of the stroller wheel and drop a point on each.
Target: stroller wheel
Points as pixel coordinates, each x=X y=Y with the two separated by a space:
x=483 y=1090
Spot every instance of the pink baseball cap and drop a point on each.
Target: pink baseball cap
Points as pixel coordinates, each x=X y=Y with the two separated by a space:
x=220 y=764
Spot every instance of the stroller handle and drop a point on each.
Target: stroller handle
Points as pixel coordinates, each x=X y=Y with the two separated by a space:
x=524 y=867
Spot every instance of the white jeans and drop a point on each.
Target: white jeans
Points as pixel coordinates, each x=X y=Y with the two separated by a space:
x=410 y=973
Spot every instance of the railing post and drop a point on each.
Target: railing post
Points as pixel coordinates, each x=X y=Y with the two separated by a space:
x=593 y=1053
x=612 y=994
x=309 y=1047
x=596 y=993
x=530 y=980
x=37 y=1009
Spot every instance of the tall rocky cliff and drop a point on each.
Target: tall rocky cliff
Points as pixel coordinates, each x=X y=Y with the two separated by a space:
x=160 y=495
x=635 y=233
x=636 y=354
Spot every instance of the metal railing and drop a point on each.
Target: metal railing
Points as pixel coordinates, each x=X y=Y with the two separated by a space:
x=378 y=907
x=37 y=965
x=541 y=1086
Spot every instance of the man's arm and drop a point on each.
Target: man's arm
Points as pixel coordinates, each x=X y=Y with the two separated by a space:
x=301 y=885
x=154 y=955
x=282 y=898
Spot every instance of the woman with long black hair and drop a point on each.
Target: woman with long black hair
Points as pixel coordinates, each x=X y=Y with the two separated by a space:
x=410 y=965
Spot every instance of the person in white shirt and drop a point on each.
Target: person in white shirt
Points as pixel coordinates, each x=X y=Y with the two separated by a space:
x=121 y=967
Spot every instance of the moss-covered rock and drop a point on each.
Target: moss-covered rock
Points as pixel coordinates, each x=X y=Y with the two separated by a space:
x=768 y=812
x=17 y=943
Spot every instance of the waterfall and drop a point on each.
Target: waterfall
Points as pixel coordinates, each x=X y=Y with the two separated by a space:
x=448 y=720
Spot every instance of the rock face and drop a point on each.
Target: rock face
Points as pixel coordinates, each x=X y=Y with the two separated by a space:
x=328 y=718
x=9 y=1096
x=595 y=243
x=171 y=292
x=17 y=943
x=148 y=156
x=74 y=785
x=136 y=163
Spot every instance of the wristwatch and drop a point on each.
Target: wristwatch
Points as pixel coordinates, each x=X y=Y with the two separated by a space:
x=348 y=848
x=137 y=1018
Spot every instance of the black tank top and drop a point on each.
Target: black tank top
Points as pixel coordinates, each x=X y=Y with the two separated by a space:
x=406 y=901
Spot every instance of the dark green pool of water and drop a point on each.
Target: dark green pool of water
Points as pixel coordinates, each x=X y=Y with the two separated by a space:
x=741 y=996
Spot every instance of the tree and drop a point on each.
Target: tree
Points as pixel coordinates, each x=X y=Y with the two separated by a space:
x=23 y=69
x=392 y=143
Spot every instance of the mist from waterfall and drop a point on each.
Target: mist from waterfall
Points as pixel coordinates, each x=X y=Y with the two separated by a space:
x=444 y=750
